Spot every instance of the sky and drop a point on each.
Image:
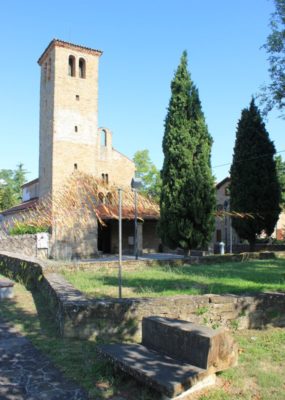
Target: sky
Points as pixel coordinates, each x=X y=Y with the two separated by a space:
x=142 y=42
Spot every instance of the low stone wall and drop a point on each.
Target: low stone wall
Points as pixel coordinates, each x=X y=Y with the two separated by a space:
x=120 y=319
x=23 y=244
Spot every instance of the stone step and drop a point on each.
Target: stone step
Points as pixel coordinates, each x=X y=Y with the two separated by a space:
x=206 y=348
x=168 y=376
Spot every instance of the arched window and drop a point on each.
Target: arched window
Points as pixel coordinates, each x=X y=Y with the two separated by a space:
x=103 y=138
x=82 y=68
x=71 y=66
x=101 y=197
x=109 y=198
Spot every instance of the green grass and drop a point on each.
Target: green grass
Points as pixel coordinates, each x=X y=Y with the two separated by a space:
x=260 y=374
x=238 y=277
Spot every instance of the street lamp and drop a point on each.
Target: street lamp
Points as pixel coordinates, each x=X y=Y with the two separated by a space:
x=227 y=207
x=136 y=184
x=120 y=243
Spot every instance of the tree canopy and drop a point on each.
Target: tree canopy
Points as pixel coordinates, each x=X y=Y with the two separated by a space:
x=10 y=186
x=148 y=173
x=254 y=184
x=273 y=94
x=187 y=199
x=280 y=166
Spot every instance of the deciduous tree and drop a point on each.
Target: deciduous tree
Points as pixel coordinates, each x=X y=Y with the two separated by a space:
x=273 y=94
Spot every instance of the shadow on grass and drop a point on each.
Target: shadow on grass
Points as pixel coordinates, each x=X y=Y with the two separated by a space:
x=235 y=278
x=77 y=359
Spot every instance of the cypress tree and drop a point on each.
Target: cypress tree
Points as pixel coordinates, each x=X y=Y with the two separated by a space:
x=187 y=199
x=254 y=182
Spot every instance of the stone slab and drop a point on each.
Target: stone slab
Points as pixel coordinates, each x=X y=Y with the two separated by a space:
x=203 y=384
x=195 y=344
x=161 y=372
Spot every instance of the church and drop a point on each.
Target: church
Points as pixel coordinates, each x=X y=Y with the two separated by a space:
x=71 y=142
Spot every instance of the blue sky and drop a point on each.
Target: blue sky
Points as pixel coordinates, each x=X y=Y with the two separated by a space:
x=142 y=43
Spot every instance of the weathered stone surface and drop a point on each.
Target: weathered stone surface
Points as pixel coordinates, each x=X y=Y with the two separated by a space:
x=168 y=376
x=27 y=374
x=120 y=319
x=198 y=345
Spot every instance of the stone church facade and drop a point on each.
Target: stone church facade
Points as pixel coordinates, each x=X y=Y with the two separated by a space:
x=69 y=135
x=70 y=140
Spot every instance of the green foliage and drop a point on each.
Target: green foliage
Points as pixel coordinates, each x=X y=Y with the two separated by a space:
x=148 y=173
x=255 y=276
x=187 y=199
x=22 y=229
x=10 y=186
x=254 y=184
x=273 y=95
x=280 y=166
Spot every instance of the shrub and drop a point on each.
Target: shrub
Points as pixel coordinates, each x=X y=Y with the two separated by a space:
x=22 y=229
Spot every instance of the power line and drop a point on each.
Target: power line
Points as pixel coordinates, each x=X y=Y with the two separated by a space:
x=253 y=158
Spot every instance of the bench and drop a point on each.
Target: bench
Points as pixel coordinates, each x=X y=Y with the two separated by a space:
x=176 y=357
x=6 y=288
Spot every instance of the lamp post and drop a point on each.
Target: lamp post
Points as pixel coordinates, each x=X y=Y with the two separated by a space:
x=226 y=204
x=136 y=184
x=120 y=243
x=227 y=207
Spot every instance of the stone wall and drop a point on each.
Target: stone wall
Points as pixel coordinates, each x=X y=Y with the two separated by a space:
x=120 y=319
x=22 y=244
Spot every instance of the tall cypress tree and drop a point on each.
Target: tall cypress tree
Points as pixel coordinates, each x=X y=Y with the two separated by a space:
x=187 y=199
x=254 y=182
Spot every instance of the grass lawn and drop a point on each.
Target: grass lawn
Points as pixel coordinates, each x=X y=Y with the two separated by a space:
x=237 y=277
x=259 y=376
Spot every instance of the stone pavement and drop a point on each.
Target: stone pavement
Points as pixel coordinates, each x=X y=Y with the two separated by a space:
x=27 y=374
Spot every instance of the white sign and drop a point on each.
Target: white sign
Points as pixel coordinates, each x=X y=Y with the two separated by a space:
x=42 y=240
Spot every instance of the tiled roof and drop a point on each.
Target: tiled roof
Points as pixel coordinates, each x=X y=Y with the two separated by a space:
x=225 y=180
x=106 y=212
x=68 y=45
x=27 y=205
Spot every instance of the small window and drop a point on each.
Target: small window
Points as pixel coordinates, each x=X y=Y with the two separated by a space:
x=227 y=191
x=49 y=69
x=218 y=235
x=103 y=138
x=109 y=198
x=75 y=167
x=77 y=97
x=105 y=178
x=101 y=198
x=76 y=128
x=45 y=72
x=71 y=66
x=82 y=68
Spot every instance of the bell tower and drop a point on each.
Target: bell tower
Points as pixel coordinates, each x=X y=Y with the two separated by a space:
x=68 y=113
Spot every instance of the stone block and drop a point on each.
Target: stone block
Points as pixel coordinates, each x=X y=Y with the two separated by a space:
x=168 y=376
x=203 y=347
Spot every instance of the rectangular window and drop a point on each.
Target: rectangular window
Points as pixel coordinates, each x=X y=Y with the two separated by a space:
x=77 y=97
x=76 y=128
x=75 y=167
x=219 y=235
x=105 y=178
